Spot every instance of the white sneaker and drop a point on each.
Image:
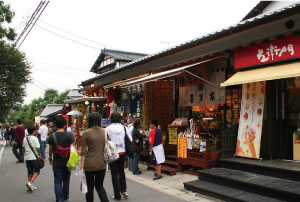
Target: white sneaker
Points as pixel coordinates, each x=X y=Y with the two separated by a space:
x=125 y=195
x=29 y=186
x=34 y=187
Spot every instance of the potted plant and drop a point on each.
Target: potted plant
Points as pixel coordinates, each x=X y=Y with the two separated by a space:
x=214 y=153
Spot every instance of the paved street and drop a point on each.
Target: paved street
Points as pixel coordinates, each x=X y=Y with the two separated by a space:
x=13 y=178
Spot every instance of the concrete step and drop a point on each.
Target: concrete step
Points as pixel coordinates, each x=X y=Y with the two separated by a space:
x=225 y=193
x=279 y=188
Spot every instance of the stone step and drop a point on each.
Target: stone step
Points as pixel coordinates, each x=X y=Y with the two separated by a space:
x=225 y=193
x=282 y=189
x=276 y=168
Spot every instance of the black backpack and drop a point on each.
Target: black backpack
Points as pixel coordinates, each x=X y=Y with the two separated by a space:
x=128 y=145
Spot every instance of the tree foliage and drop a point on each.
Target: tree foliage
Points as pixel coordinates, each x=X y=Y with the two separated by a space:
x=28 y=112
x=14 y=67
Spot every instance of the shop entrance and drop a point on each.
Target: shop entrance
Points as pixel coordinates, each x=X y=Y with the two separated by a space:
x=281 y=118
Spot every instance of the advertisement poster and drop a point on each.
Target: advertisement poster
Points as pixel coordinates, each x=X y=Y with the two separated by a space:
x=182 y=147
x=251 y=119
x=173 y=136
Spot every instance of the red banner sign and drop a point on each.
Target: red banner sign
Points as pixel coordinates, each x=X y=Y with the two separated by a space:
x=266 y=53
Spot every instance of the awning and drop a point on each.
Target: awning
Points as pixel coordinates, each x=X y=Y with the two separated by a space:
x=161 y=75
x=82 y=100
x=120 y=83
x=264 y=74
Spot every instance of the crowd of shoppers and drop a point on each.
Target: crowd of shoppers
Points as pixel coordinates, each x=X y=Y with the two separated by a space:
x=92 y=164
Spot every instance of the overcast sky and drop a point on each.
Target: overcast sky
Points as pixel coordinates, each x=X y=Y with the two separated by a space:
x=129 y=25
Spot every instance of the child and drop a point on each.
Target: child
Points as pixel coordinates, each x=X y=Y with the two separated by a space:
x=31 y=161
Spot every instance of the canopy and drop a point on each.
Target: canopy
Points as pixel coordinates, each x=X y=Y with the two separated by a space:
x=264 y=74
x=161 y=75
x=74 y=113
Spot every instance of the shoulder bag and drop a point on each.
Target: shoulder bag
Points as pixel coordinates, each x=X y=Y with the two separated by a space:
x=110 y=150
x=128 y=145
x=61 y=151
x=39 y=159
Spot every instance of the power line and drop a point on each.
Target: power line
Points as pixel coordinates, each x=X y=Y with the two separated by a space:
x=47 y=30
x=29 y=21
x=34 y=22
x=63 y=66
x=76 y=35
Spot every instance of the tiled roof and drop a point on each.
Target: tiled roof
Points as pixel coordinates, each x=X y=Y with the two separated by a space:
x=123 y=55
x=117 y=55
x=52 y=109
x=74 y=93
x=212 y=35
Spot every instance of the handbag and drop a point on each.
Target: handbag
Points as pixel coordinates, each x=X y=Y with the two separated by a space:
x=40 y=160
x=138 y=147
x=110 y=150
x=128 y=145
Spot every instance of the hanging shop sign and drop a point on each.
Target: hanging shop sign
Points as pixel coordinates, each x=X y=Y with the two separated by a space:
x=173 y=136
x=186 y=79
x=284 y=49
x=182 y=147
x=204 y=94
x=251 y=119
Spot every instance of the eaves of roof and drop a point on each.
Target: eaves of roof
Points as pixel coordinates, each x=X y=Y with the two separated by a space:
x=243 y=25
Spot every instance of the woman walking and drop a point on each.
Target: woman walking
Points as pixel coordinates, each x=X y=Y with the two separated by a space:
x=138 y=146
x=117 y=133
x=92 y=157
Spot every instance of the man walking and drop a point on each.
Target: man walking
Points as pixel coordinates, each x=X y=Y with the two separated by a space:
x=43 y=131
x=59 y=146
x=20 y=134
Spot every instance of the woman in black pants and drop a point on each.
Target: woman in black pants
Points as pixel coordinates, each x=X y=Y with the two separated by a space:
x=117 y=132
x=92 y=158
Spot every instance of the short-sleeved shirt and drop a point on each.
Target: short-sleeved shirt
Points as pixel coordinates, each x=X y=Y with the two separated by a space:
x=34 y=142
x=43 y=131
x=155 y=137
x=63 y=139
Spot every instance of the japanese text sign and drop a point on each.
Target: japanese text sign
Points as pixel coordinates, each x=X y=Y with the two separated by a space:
x=267 y=53
x=182 y=147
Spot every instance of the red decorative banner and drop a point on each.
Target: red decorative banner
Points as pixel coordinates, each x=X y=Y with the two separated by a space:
x=266 y=53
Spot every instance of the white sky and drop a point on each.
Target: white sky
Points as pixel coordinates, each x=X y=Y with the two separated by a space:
x=129 y=25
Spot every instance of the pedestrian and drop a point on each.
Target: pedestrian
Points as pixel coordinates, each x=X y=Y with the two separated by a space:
x=33 y=170
x=12 y=134
x=117 y=133
x=59 y=148
x=7 y=133
x=156 y=148
x=18 y=145
x=43 y=131
x=92 y=158
x=137 y=137
x=130 y=158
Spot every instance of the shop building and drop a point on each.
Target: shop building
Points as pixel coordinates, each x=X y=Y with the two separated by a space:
x=216 y=55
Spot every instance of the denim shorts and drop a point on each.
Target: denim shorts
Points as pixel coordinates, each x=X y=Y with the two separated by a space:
x=32 y=167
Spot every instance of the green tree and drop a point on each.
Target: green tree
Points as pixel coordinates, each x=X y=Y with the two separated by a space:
x=28 y=112
x=6 y=15
x=14 y=67
x=61 y=97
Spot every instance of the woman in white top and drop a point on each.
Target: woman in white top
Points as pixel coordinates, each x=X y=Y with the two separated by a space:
x=117 y=131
